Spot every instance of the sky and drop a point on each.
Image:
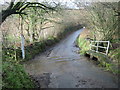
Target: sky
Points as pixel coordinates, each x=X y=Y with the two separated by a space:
x=63 y=1
x=69 y=3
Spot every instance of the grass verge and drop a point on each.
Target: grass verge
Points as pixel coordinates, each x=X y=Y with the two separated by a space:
x=14 y=76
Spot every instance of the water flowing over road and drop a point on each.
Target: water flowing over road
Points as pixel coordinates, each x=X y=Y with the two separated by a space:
x=67 y=69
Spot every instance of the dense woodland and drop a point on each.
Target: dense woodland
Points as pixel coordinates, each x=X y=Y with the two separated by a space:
x=42 y=25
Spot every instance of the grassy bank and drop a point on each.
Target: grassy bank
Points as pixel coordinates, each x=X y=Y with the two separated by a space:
x=110 y=62
x=14 y=76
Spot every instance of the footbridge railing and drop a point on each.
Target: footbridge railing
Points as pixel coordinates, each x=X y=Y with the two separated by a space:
x=100 y=46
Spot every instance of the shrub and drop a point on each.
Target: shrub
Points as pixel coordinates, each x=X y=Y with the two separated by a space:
x=83 y=44
x=14 y=76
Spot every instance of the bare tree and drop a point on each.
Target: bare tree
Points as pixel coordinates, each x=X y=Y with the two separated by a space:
x=19 y=7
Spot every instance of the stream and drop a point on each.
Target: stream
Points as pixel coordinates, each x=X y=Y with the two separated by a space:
x=62 y=67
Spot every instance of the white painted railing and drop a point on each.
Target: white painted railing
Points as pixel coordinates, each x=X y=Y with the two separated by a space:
x=97 y=46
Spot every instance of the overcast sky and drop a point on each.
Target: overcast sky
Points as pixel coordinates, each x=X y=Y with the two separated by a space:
x=68 y=3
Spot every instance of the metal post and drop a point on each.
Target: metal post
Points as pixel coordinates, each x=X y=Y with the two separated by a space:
x=90 y=45
x=107 y=47
x=22 y=38
x=22 y=46
x=97 y=47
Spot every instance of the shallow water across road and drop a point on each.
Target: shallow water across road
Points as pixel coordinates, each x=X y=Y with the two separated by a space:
x=67 y=69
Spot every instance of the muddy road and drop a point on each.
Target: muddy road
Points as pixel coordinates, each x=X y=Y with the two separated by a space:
x=62 y=67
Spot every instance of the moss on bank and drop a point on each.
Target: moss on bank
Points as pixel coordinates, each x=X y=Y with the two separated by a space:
x=104 y=61
x=83 y=44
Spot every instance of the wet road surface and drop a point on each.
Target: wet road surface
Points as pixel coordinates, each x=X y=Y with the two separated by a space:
x=67 y=69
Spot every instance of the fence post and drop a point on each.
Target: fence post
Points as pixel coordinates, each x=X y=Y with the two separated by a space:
x=91 y=45
x=97 y=47
x=107 y=47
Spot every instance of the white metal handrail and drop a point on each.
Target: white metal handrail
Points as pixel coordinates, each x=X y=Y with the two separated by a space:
x=98 y=46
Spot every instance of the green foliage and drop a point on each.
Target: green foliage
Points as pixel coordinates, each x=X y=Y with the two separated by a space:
x=83 y=44
x=11 y=55
x=14 y=55
x=14 y=76
x=115 y=54
x=36 y=19
x=103 y=21
x=110 y=67
x=105 y=62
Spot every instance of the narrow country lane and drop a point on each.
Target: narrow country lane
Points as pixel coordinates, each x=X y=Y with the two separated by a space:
x=67 y=69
